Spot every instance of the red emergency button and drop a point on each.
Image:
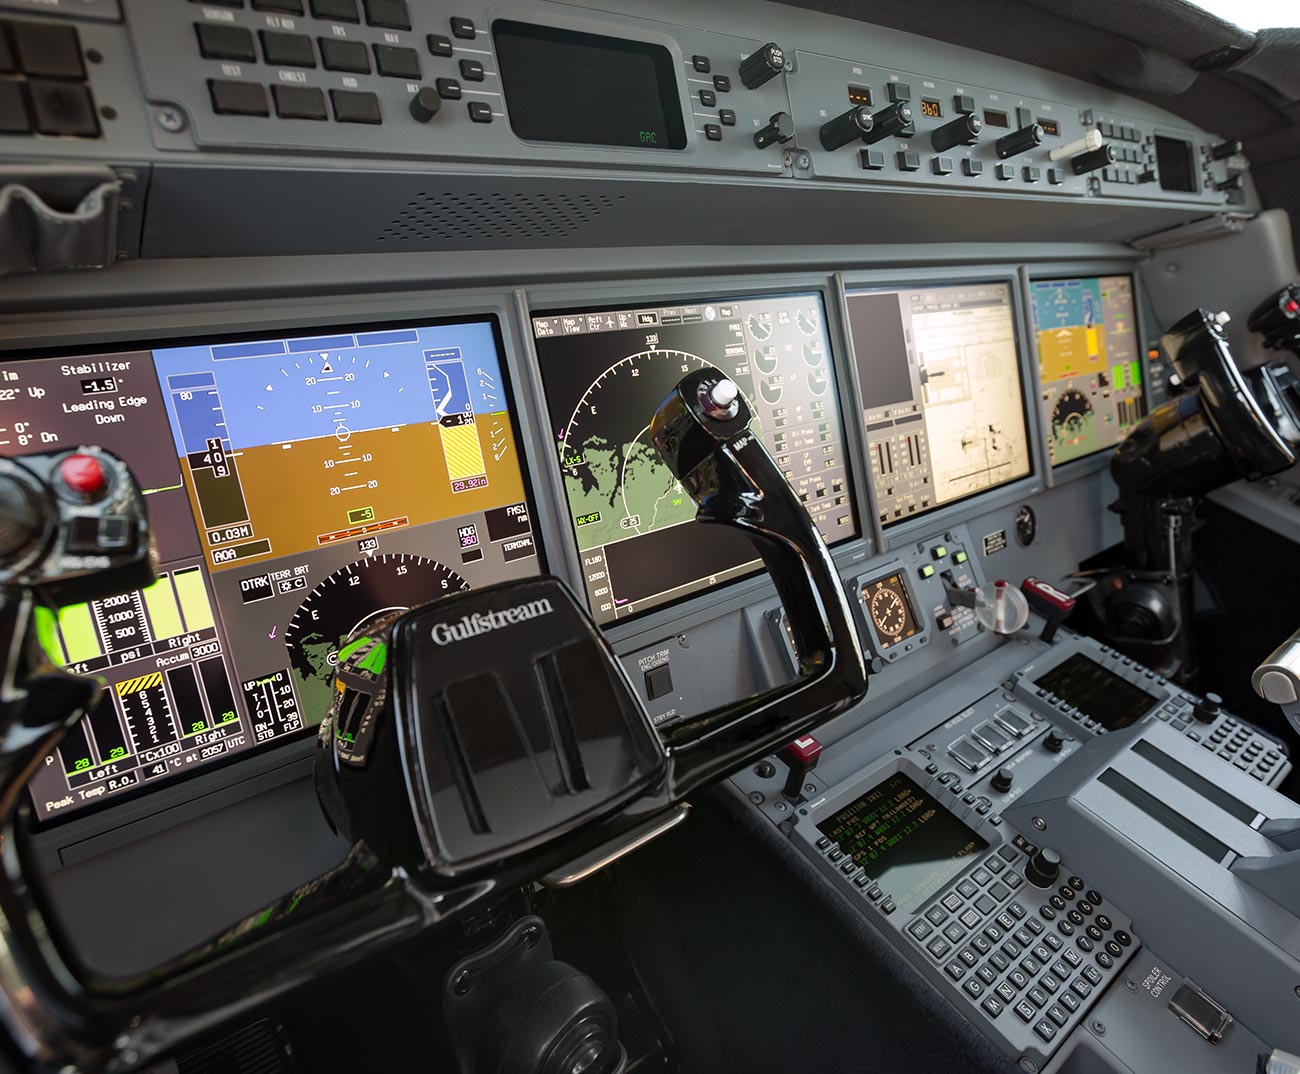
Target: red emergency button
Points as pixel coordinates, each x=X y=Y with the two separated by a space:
x=801 y=755
x=84 y=475
x=1292 y=306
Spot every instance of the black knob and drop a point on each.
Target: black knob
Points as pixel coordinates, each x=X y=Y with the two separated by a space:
x=1208 y=708
x=1021 y=141
x=1002 y=778
x=761 y=65
x=847 y=127
x=1091 y=161
x=20 y=519
x=425 y=104
x=1226 y=149
x=889 y=121
x=875 y=665
x=1236 y=182
x=964 y=130
x=779 y=129
x=1054 y=742
x=1044 y=867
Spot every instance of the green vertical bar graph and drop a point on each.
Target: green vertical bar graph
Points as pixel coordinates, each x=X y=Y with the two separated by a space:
x=164 y=615
x=194 y=599
x=78 y=630
x=1134 y=374
x=1117 y=377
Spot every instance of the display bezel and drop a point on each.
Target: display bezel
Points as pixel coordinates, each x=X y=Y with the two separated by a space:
x=548 y=307
x=1076 y=469
x=660 y=56
x=901 y=533
x=295 y=329
x=1082 y=274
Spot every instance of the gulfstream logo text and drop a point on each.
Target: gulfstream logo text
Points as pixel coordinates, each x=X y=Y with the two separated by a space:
x=471 y=626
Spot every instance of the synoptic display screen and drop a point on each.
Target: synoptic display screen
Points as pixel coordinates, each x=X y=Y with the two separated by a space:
x=1088 y=363
x=1113 y=702
x=298 y=489
x=904 y=840
x=941 y=393
x=605 y=373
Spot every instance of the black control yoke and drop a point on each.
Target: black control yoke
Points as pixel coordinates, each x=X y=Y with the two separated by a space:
x=441 y=716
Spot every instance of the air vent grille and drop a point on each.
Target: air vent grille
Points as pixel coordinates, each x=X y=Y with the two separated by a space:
x=477 y=217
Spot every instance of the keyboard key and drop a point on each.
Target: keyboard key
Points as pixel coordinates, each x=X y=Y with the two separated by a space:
x=967 y=889
x=1091 y=974
x=987 y=974
x=954 y=932
x=230 y=98
x=1017 y=911
x=1037 y=997
x=968 y=956
x=390 y=14
x=1069 y=1001
x=936 y=915
x=973 y=988
x=1072 y=957
x=287 y=50
x=993 y=933
x=981 y=945
x=938 y=947
x=955 y=970
x=1025 y=1011
x=299 y=102
x=970 y=918
x=351 y=106
x=1017 y=980
x=1045 y=1029
x=219 y=42
x=952 y=901
x=349 y=56
x=992 y=1006
x=337 y=10
x=999 y=961
x=394 y=61
x=1049 y=984
x=1007 y=992
x=986 y=905
x=1081 y=988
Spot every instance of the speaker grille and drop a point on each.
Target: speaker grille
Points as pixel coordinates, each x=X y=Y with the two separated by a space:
x=468 y=217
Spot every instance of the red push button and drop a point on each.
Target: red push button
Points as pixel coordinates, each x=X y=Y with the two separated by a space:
x=84 y=475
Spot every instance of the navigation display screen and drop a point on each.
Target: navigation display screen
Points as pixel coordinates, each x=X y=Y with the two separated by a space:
x=941 y=393
x=298 y=488
x=1088 y=363
x=1113 y=702
x=605 y=372
x=904 y=840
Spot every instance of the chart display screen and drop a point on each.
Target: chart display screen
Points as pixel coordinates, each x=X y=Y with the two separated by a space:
x=605 y=372
x=904 y=840
x=1113 y=702
x=941 y=393
x=298 y=489
x=1088 y=363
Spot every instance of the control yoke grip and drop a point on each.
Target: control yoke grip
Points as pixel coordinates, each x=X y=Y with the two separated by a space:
x=702 y=431
x=1277 y=679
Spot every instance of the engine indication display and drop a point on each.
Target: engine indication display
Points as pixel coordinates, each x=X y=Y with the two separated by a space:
x=605 y=373
x=1088 y=363
x=298 y=488
x=890 y=608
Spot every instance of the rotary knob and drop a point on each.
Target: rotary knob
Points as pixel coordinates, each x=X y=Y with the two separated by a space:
x=1021 y=141
x=889 y=121
x=1207 y=710
x=847 y=127
x=1101 y=157
x=425 y=104
x=779 y=130
x=1002 y=779
x=762 y=65
x=1054 y=742
x=1043 y=868
x=964 y=130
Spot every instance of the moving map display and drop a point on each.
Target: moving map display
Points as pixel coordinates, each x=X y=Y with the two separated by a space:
x=299 y=489
x=605 y=373
x=1088 y=362
x=941 y=393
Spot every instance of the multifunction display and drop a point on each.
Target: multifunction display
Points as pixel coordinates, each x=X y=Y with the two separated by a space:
x=587 y=89
x=1099 y=694
x=1088 y=363
x=905 y=840
x=605 y=373
x=298 y=489
x=941 y=393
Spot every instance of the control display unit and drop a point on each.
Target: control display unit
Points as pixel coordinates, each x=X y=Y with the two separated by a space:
x=1100 y=695
x=890 y=609
x=904 y=839
x=605 y=372
x=298 y=488
x=941 y=393
x=1088 y=363
x=637 y=104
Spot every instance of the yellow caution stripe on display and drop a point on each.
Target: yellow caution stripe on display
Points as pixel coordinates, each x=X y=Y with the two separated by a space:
x=134 y=686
